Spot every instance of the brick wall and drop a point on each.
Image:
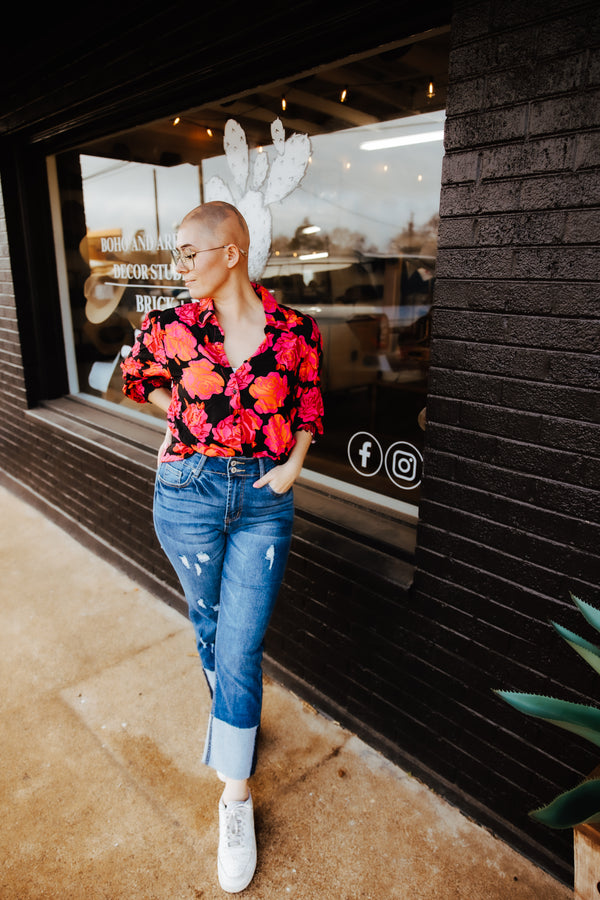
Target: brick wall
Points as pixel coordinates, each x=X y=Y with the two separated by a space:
x=509 y=519
x=12 y=387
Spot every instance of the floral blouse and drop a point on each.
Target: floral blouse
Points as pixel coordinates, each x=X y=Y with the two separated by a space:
x=250 y=411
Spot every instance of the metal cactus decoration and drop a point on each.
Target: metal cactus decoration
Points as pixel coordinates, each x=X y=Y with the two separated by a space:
x=255 y=188
x=580 y=804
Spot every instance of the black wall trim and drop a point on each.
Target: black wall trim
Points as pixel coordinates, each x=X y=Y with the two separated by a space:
x=33 y=267
x=171 y=56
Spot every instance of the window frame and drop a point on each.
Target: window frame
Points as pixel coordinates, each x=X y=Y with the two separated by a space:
x=381 y=520
x=346 y=502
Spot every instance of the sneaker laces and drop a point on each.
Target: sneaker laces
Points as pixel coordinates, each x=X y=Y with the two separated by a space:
x=234 y=820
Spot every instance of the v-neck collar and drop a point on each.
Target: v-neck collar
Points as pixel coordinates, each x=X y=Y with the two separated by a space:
x=274 y=315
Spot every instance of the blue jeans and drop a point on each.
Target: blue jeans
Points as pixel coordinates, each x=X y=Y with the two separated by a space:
x=228 y=543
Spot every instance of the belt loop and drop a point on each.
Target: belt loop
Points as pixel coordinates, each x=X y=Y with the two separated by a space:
x=261 y=466
x=200 y=463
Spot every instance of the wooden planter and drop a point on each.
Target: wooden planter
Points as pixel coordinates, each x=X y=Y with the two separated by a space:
x=586 y=845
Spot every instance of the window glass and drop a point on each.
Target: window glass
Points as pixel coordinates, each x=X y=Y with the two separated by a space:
x=338 y=175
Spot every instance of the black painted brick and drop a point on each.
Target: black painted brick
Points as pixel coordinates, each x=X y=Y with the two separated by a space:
x=541 y=156
x=541 y=263
x=574 y=533
x=486 y=127
x=515 y=394
x=577 y=370
x=545 y=192
x=509 y=515
x=553 y=332
x=573 y=446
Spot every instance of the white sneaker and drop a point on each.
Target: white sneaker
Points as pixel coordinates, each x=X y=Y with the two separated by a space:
x=237 y=845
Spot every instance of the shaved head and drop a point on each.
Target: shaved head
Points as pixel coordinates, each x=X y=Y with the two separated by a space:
x=221 y=219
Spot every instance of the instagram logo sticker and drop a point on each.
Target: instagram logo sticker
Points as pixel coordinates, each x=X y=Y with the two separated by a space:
x=404 y=465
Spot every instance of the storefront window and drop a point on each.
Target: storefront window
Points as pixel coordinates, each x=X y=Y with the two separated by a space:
x=338 y=174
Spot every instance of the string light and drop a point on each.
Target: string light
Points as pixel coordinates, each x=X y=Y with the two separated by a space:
x=343 y=95
x=176 y=120
x=430 y=91
x=209 y=132
x=283 y=104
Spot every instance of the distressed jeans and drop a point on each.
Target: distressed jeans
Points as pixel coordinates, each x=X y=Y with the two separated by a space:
x=228 y=543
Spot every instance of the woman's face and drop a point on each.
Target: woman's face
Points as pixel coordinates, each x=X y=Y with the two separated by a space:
x=207 y=252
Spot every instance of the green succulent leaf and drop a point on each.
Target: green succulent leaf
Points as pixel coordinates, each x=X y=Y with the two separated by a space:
x=575 y=807
x=590 y=652
x=589 y=612
x=575 y=717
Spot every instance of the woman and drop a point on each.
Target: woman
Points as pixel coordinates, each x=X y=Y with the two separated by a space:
x=238 y=377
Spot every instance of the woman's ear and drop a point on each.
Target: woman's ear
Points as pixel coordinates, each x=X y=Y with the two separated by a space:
x=233 y=255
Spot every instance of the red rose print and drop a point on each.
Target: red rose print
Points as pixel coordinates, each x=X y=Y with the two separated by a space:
x=199 y=379
x=277 y=434
x=179 y=342
x=270 y=392
x=228 y=432
x=216 y=354
x=153 y=343
x=309 y=366
x=249 y=425
x=196 y=421
x=188 y=313
x=311 y=406
x=286 y=352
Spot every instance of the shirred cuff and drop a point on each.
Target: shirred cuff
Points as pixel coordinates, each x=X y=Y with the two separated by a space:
x=314 y=428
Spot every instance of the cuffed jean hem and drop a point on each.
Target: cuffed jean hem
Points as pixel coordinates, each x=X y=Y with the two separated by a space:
x=230 y=750
x=211 y=680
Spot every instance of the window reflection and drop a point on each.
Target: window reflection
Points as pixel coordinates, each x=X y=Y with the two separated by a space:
x=352 y=241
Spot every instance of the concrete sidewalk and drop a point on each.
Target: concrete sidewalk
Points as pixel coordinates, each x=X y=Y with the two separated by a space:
x=103 y=795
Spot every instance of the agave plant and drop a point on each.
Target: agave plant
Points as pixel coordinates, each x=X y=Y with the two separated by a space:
x=582 y=803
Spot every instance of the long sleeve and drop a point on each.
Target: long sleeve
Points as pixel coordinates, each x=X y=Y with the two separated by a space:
x=146 y=369
x=309 y=399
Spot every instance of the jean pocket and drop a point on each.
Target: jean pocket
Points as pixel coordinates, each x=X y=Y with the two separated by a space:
x=275 y=493
x=179 y=473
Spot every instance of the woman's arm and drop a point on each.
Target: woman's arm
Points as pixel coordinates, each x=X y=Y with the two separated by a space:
x=161 y=397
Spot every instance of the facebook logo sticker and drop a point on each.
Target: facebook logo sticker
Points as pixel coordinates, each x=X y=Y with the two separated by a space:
x=365 y=454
